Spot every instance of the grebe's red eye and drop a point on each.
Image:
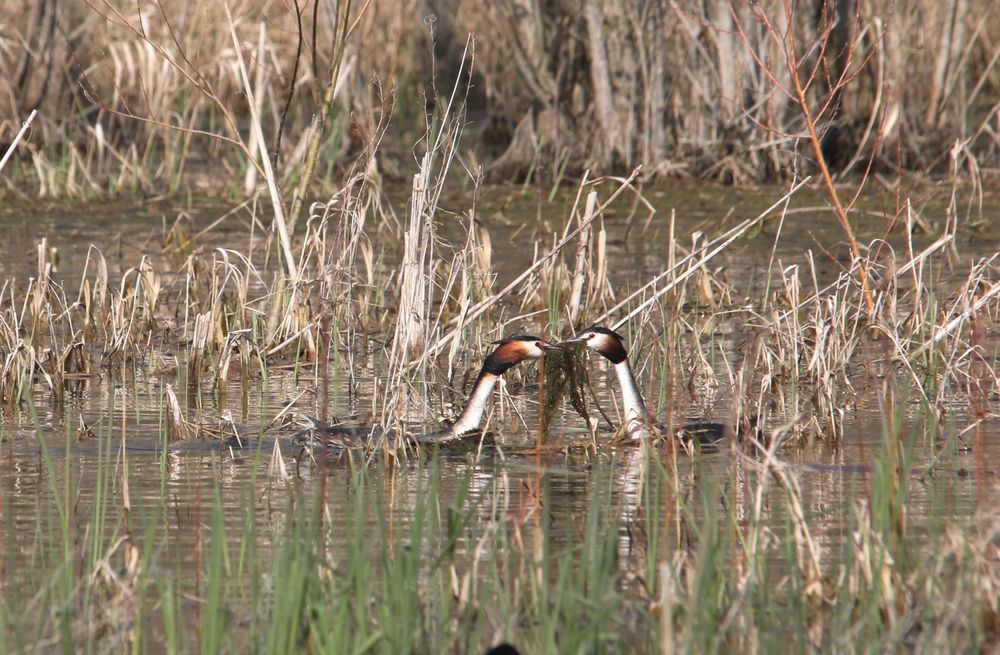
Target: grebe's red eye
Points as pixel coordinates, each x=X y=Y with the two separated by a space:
x=591 y=335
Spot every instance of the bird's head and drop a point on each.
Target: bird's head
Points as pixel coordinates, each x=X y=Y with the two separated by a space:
x=511 y=351
x=608 y=343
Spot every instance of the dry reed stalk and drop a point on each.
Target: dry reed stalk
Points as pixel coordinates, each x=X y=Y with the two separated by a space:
x=879 y=116
x=481 y=307
x=17 y=138
x=277 y=469
x=692 y=263
x=668 y=602
x=114 y=586
x=475 y=265
x=237 y=342
x=175 y=58
x=580 y=268
x=253 y=145
x=968 y=312
x=872 y=567
x=798 y=91
x=265 y=159
x=415 y=272
x=151 y=285
x=416 y=286
x=317 y=127
x=807 y=551
x=178 y=428
x=198 y=350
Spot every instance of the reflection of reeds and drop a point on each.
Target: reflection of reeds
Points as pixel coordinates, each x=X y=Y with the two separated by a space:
x=653 y=557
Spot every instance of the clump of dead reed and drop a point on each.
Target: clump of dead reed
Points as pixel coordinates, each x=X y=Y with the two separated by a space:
x=734 y=91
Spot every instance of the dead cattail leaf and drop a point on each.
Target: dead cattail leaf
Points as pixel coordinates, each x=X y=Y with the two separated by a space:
x=178 y=429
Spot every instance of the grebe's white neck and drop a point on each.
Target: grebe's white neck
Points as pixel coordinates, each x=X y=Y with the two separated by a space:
x=636 y=419
x=470 y=417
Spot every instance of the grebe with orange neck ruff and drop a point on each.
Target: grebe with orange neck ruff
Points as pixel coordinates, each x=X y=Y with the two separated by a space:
x=509 y=352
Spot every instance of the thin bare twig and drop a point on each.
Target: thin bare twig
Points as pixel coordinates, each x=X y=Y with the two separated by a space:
x=17 y=138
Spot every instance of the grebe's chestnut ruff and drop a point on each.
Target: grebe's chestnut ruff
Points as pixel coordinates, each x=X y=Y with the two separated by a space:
x=611 y=345
x=509 y=352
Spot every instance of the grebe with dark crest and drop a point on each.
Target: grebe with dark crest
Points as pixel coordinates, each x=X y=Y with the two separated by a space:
x=509 y=352
x=611 y=346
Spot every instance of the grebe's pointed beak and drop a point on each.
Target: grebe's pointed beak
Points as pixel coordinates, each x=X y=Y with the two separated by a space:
x=545 y=345
x=572 y=341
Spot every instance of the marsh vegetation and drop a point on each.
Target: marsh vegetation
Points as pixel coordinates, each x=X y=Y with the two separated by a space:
x=156 y=344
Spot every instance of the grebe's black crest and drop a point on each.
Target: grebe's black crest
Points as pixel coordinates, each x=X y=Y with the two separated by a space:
x=517 y=337
x=600 y=329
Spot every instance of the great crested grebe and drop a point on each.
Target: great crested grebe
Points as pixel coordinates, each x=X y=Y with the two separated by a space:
x=611 y=345
x=509 y=352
